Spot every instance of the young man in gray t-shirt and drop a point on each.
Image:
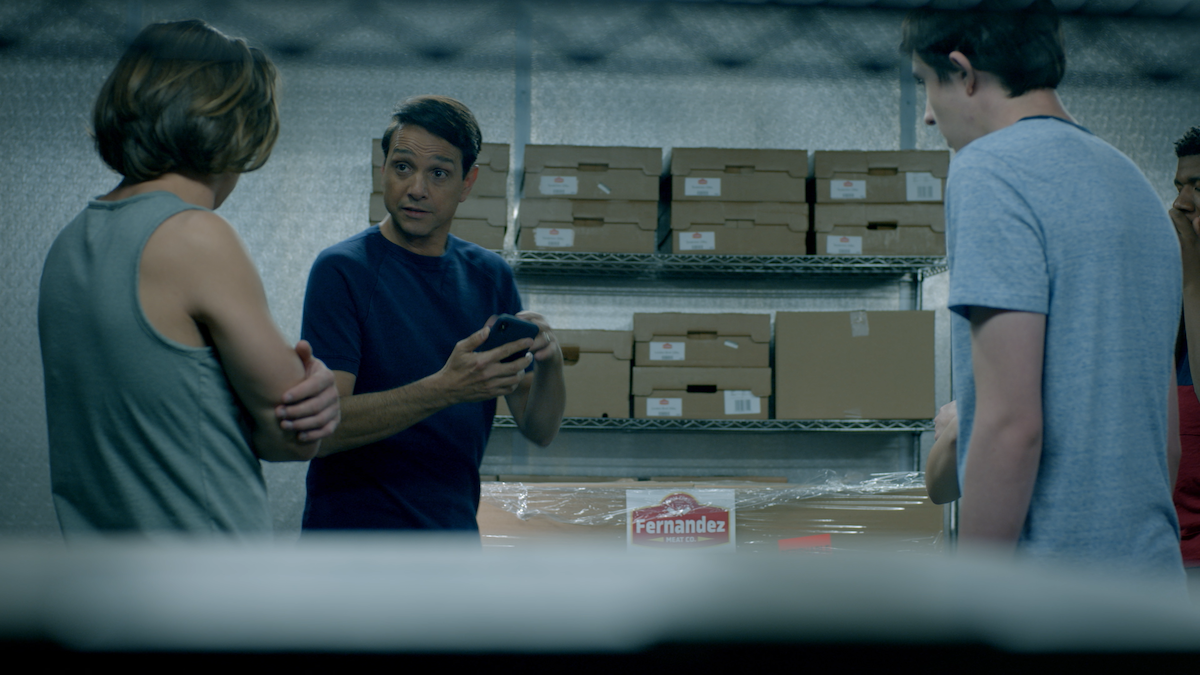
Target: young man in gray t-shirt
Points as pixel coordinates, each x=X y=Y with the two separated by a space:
x=1065 y=293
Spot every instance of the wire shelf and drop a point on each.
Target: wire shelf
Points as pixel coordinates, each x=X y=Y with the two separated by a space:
x=671 y=265
x=663 y=424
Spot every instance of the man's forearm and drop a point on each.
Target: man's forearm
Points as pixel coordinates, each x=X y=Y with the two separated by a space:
x=1005 y=449
x=1002 y=467
x=367 y=418
x=541 y=415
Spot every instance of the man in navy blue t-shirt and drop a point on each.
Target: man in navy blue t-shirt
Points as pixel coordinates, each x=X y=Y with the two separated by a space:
x=397 y=312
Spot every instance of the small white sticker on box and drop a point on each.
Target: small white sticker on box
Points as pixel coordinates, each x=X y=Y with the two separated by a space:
x=554 y=237
x=668 y=351
x=732 y=345
x=604 y=188
x=742 y=403
x=702 y=187
x=923 y=187
x=837 y=244
x=559 y=185
x=664 y=407
x=697 y=241
x=847 y=189
x=859 y=327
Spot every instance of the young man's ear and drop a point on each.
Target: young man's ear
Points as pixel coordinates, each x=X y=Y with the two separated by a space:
x=966 y=71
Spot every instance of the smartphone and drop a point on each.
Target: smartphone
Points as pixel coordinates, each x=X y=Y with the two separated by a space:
x=508 y=328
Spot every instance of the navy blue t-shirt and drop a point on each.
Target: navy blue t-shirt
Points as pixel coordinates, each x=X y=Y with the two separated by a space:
x=392 y=317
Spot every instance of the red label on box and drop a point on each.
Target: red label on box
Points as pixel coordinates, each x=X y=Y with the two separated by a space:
x=679 y=521
x=817 y=541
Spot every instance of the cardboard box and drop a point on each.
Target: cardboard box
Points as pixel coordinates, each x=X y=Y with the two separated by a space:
x=596 y=371
x=702 y=340
x=881 y=176
x=854 y=365
x=589 y=172
x=702 y=393
x=738 y=228
x=713 y=174
x=480 y=220
x=588 y=225
x=880 y=229
x=492 y=180
x=769 y=518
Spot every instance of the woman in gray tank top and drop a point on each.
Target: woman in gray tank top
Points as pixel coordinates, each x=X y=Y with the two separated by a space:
x=166 y=378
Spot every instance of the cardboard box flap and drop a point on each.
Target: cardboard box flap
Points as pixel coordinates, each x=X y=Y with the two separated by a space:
x=647 y=326
x=542 y=158
x=588 y=212
x=828 y=163
x=685 y=161
x=619 y=343
x=647 y=380
x=376 y=152
x=685 y=215
x=492 y=209
x=493 y=156
x=828 y=216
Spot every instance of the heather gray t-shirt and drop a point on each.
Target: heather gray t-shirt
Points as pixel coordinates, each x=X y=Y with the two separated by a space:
x=1044 y=217
x=145 y=433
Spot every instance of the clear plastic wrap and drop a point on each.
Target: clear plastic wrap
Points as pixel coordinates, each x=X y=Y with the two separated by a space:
x=887 y=511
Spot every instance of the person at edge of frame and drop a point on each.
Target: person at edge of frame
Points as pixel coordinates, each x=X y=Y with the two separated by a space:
x=1066 y=405
x=166 y=378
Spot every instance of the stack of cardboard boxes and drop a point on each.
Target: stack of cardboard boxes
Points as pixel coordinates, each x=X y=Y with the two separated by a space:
x=828 y=366
x=600 y=199
x=702 y=366
x=483 y=218
x=880 y=203
x=738 y=202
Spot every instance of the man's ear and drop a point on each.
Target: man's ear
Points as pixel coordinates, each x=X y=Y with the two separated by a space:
x=967 y=72
x=468 y=182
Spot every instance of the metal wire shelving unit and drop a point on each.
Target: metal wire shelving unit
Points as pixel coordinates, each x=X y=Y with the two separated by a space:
x=683 y=265
x=664 y=424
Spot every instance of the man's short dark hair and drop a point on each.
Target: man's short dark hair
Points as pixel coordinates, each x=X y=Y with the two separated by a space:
x=1024 y=49
x=443 y=117
x=1189 y=145
x=186 y=98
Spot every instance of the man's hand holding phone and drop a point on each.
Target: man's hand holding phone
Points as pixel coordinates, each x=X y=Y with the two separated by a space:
x=473 y=373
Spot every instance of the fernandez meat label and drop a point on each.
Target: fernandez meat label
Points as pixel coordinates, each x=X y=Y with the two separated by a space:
x=681 y=519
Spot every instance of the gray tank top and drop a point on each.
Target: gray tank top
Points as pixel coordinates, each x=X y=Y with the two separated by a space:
x=145 y=433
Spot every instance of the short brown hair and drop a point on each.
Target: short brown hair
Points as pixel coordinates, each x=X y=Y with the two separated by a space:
x=443 y=117
x=186 y=98
x=1023 y=49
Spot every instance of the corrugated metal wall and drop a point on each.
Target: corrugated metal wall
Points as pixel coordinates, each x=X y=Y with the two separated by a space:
x=650 y=73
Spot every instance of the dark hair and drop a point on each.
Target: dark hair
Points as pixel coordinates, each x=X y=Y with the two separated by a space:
x=186 y=98
x=1189 y=145
x=1024 y=49
x=443 y=117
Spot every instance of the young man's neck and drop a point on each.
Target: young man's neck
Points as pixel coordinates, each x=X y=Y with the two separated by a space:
x=1036 y=103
